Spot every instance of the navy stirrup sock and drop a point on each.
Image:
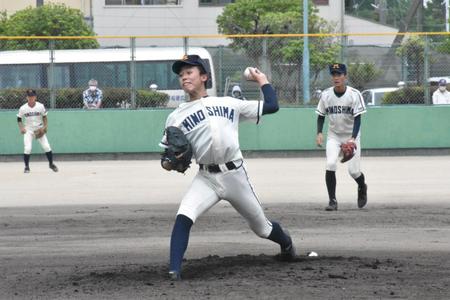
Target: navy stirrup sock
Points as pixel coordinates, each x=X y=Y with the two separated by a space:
x=179 y=241
x=278 y=236
x=360 y=180
x=49 y=155
x=26 y=159
x=330 y=179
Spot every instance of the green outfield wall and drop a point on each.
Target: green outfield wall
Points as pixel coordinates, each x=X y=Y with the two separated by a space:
x=128 y=131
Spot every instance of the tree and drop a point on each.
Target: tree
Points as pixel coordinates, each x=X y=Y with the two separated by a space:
x=413 y=52
x=284 y=55
x=3 y=18
x=434 y=13
x=362 y=73
x=47 y=20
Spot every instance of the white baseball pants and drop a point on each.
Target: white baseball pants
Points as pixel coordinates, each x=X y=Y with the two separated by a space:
x=333 y=150
x=28 y=142
x=234 y=186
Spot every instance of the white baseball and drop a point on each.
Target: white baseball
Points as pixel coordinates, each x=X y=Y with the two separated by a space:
x=312 y=253
x=247 y=74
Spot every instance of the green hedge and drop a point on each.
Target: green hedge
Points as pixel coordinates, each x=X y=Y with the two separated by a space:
x=72 y=98
x=408 y=95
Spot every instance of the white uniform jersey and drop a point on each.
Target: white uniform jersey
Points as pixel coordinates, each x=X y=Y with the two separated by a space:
x=33 y=115
x=341 y=111
x=211 y=126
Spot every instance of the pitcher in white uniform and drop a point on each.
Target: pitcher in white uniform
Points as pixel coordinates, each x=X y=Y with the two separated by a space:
x=32 y=116
x=211 y=126
x=344 y=106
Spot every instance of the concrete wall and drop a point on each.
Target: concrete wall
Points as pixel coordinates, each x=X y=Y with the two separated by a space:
x=123 y=131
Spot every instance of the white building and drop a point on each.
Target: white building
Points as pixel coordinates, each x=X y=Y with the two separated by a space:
x=187 y=17
x=198 y=17
x=333 y=11
x=168 y=18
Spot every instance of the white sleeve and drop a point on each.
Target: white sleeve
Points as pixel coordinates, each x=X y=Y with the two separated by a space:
x=320 y=110
x=169 y=122
x=434 y=97
x=44 y=111
x=20 y=113
x=358 y=104
x=250 y=110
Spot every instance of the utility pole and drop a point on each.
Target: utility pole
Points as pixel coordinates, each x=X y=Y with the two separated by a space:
x=39 y=3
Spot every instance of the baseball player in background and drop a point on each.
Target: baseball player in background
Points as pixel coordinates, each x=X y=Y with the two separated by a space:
x=211 y=126
x=35 y=126
x=344 y=106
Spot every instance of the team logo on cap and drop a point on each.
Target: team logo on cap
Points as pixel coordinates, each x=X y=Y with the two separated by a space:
x=185 y=57
x=335 y=66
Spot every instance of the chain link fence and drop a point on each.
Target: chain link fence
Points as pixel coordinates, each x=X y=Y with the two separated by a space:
x=140 y=76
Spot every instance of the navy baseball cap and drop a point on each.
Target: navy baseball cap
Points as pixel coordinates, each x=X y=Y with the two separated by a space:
x=31 y=93
x=338 y=68
x=191 y=60
x=442 y=82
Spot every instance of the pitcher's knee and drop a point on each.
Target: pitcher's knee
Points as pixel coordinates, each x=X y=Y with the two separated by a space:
x=27 y=150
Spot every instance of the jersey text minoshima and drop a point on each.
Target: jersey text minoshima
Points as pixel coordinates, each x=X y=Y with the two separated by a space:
x=211 y=125
x=33 y=115
x=341 y=111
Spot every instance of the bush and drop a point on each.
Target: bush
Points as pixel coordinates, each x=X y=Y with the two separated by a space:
x=408 y=95
x=361 y=73
x=72 y=98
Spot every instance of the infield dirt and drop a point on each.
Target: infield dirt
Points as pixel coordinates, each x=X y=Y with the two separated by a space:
x=87 y=248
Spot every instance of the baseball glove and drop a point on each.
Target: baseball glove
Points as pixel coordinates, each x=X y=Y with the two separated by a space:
x=348 y=151
x=179 y=151
x=38 y=133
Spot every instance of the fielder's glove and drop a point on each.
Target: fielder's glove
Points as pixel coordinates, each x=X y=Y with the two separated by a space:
x=38 y=133
x=348 y=151
x=179 y=151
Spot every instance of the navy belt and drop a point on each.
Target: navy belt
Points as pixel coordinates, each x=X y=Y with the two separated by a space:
x=216 y=168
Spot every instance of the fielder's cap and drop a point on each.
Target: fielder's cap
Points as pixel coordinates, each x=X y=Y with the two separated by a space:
x=338 y=68
x=31 y=92
x=192 y=60
x=442 y=82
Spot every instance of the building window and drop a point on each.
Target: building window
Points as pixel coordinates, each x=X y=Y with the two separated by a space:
x=214 y=2
x=143 y=2
x=321 y=2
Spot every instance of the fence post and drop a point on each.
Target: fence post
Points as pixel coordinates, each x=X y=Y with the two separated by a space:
x=265 y=62
x=306 y=83
x=133 y=72
x=344 y=43
x=51 y=74
x=404 y=69
x=186 y=50
x=186 y=44
x=426 y=71
x=220 y=72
